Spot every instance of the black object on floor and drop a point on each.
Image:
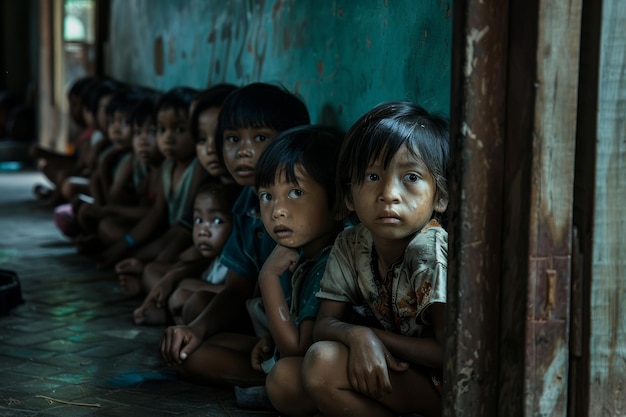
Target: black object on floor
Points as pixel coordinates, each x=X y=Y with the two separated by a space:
x=10 y=291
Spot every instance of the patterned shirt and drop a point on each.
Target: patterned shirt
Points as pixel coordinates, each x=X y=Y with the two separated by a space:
x=399 y=300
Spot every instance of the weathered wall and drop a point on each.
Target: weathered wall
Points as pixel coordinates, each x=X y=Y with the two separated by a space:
x=342 y=57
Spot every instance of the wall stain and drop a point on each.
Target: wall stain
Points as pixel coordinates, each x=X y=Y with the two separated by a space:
x=158 y=56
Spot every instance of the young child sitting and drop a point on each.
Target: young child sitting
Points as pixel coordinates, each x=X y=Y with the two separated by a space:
x=181 y=175
x=212 y=227
x=176 y=262
x=207 y=349
x=140 y=174
x=57 y=166
x=295 y=182
x=111 y=183
x=390 y=270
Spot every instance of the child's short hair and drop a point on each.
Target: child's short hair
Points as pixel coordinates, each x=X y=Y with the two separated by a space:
x=315 y=148
x=225 y=193
x=212 y=97
x=178 y=98
x=124 y=100
x=144 y=110
x=98 y=88
x=260 y=105
x=78 y=86
x=382 y=131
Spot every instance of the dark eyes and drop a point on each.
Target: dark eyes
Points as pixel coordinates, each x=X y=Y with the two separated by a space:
x=372 y=177
x=264 y=197
x=295 y=193
x=214 y=220
x=411 y=177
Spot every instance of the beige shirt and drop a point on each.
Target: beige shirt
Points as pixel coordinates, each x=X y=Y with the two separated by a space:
x=418 y=279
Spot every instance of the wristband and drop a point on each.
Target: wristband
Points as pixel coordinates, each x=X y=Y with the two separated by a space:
x=129 y=239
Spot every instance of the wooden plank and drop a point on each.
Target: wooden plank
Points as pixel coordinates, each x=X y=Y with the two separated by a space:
x=477 y=116
x=607 y=344
x=551 y=207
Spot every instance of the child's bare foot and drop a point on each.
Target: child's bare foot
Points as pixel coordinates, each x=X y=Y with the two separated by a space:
x=149 y=315
x=131 y=284
x=130 y=266
x=42 y=192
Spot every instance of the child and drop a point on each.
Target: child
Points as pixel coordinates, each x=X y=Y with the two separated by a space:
x=95 y=101
x=390 y=269
x=162 y=273
x=181 y=175
x=138 y=177
x=205 y=349
x=212 y=226
x=296 y=187
x=58 y=166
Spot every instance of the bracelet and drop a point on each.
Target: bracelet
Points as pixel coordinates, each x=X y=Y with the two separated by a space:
x=129 y=239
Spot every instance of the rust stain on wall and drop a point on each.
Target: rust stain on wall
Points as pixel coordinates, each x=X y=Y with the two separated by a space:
x=158 y=56
x=171 y=50
x=320 y=67
x=369 y=43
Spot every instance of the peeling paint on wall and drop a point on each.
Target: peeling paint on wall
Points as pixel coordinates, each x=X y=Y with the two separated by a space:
x=344 y=56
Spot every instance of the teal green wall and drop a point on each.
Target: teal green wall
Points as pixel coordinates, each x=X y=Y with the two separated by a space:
x=341 y=57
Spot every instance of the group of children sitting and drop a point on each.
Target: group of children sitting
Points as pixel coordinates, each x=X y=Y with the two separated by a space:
x=282 y=257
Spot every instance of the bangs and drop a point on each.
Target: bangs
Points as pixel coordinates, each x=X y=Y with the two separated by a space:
x=381 y=140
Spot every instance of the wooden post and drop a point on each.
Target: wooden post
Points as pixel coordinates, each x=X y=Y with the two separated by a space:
x=477 y=142
x=513 y=124
x=607 y=344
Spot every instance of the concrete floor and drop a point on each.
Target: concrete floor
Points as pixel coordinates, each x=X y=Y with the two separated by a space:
x=71 y=348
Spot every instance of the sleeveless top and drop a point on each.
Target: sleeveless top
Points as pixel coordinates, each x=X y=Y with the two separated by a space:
x=176 y=200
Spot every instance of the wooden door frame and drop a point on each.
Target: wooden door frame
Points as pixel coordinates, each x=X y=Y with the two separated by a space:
x=513 y=120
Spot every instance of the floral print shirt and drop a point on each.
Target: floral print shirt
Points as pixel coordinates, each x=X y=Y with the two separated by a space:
x=398 y=301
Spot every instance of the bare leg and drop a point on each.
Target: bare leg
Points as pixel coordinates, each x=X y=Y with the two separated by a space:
x=285 y=389
x=129 y=273
x=149 y=314
x=224 y=360
x=326 y=381
x=195 y=305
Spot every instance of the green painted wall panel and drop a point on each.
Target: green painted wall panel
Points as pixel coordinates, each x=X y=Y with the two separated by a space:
x=341 y=57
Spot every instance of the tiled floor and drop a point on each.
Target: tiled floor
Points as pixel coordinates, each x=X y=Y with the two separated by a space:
x=71 y=348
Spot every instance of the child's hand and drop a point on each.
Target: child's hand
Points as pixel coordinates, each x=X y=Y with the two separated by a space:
x=369 y=364
x=262 y=351
x=160 y=292
x=178 y=343
x=280 y=260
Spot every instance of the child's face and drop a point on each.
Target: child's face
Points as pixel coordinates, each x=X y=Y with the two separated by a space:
x=144 y=142
x=76 y=110
x=297 y=215
x=396 y=202
x=89 y=118
x=205 y=147
x=173 y=136
x=211 y=225
x=120 y=131
x=242 y=149
x=101 y=116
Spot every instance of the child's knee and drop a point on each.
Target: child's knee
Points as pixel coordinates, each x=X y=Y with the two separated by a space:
x=319 y=360
x=176 y=301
